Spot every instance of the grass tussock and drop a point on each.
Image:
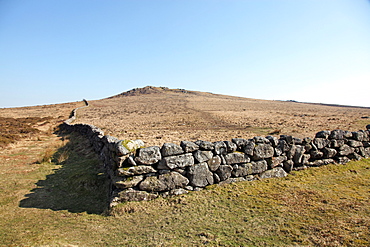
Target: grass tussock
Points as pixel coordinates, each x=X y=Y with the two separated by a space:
x=46 y=156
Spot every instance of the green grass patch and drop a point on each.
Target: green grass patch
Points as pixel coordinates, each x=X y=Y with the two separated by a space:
x=260 y=131
x=360 y=124
x=78 y=182
x=326 y=206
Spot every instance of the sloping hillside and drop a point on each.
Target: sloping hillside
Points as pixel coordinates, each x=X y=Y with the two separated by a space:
x=158 y=115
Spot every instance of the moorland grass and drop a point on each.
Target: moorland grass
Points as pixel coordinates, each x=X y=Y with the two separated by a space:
x=63 y=202
x=13 y=129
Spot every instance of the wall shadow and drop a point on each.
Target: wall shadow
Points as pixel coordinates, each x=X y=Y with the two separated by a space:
x=79 y=182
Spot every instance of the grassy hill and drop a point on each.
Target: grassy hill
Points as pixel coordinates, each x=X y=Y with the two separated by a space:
x=159 y=115
x=52 y=189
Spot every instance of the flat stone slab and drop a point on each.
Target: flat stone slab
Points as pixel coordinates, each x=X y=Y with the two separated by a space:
x=164 y=182
x=178 y=161
x=200 y=175
x=277 y=172
x=149 y=155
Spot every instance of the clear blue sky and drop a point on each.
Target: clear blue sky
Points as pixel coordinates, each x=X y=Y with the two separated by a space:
x=67 y=50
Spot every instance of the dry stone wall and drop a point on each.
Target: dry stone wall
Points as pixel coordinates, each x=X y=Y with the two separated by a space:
x=144 y=173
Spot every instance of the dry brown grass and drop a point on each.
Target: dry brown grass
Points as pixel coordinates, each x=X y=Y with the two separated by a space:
x=13 y=129
x=61 y=111
x=163 y=116
x=26 y=122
